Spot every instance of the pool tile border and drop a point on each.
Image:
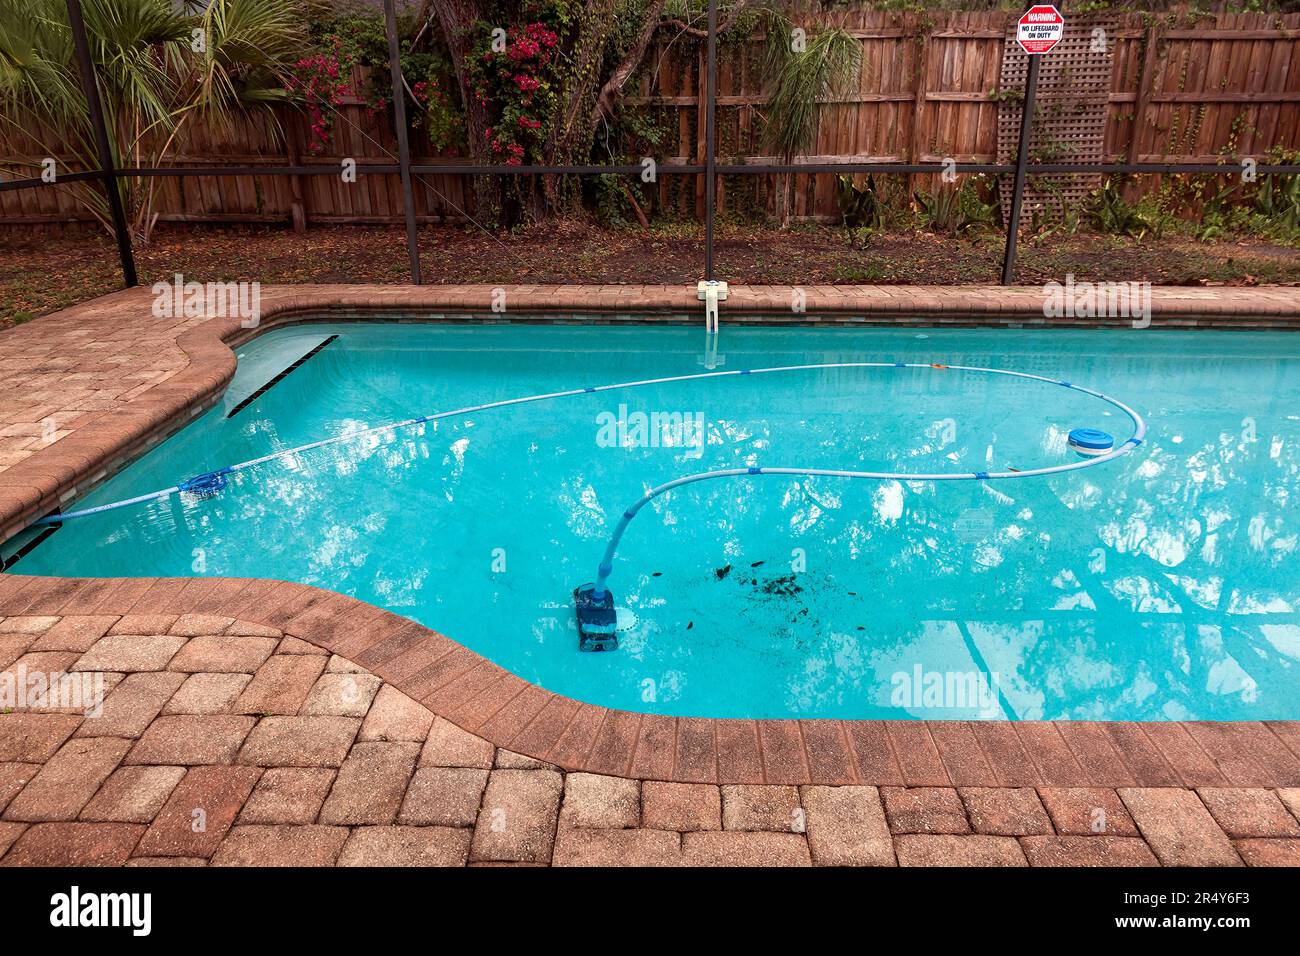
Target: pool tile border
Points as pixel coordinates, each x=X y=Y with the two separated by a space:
x=486 y=700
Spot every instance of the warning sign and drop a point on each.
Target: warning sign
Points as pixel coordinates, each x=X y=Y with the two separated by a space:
x=1040 y=28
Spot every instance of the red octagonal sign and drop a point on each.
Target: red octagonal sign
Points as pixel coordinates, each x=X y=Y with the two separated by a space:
x=1040 y=28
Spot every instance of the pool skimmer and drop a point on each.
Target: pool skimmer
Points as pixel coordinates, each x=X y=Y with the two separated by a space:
x=1090 y=442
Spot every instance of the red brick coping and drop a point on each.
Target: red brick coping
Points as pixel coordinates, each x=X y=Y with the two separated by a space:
x=130 y=410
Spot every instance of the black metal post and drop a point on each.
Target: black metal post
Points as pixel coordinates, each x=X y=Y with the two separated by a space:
x=1022 y=158
x=710 y=153
x=108 y=172
x=403 y=145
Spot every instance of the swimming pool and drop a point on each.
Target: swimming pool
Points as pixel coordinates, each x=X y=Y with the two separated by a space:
x=1159 y=586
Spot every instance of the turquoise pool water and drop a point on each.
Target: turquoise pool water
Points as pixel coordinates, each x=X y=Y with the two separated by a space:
x=1164 y=585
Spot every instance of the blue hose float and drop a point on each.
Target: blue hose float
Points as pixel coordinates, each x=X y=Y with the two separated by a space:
x=597 y=615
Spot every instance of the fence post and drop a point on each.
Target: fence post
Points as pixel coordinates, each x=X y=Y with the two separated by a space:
x=107 y=168
x=1143 y=91
x=297 y=202
x=918 y=104
x=710 y=157
x=1022 y=158
x=403 y=146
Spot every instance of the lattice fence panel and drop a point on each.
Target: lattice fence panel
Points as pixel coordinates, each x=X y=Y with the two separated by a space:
x=1070 y=114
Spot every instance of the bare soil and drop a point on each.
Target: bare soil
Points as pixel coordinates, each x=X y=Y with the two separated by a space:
x=37 y=277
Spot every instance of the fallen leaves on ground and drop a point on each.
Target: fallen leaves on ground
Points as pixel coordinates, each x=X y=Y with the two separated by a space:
x=37 y=277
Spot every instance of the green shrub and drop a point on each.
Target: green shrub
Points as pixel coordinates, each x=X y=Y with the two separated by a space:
x=955 y=210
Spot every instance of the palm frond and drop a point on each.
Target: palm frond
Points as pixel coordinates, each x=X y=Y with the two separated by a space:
x=250 y=46
x=151 y=78
x=802 y=81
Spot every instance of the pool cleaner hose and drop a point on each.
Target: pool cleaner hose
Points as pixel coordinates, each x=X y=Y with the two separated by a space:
x=593 y=602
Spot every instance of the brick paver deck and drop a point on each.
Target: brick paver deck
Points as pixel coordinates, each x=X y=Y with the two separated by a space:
x=252 y=722
x=283 y=753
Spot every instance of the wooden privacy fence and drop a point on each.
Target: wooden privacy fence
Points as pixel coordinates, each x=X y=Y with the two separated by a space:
x=931 y=86
x=358 y=133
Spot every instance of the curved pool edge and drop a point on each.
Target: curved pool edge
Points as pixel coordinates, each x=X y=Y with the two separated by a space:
x=488 y=701
x=477 y=695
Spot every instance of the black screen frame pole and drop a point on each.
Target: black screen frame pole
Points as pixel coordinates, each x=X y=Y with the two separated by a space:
x=710 y=151
x=1022 y=160
x=107 y=168
x=403 y=143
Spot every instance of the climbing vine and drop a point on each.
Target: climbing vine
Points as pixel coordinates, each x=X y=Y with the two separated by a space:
x=352 y=61
x=516 y=75
x=319 y=82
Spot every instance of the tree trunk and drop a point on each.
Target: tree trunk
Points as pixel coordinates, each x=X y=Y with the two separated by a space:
x=613 y=88
x=588 y=97
x=456 y=18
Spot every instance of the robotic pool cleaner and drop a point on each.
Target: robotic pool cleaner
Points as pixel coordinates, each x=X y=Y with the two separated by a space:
x=599 y=620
